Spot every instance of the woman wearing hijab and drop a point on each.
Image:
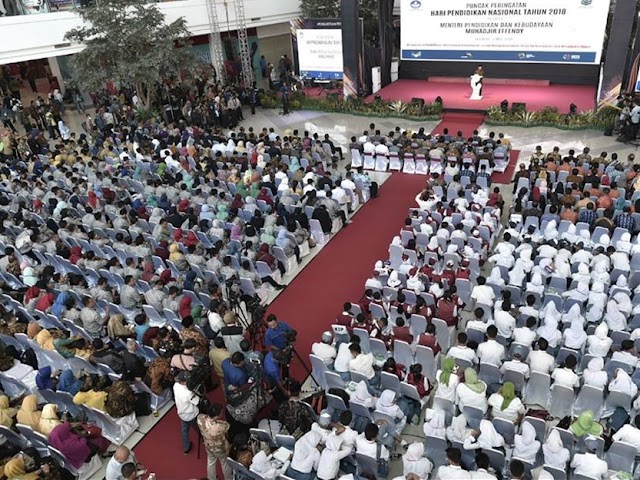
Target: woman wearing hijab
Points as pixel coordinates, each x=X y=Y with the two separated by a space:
x=505 y=404
x=284 y=242
x=486 y=437
x=535 y=285
x=555 y=454
x=77 y=443
x=549 y=329
x=526 y=447
x=335 y=450
x=595 y=375
x=45 y=340
x=496 y=278
x=31 y=294
x=586 y=424
x=49 y=419
x=471 y=393
x=387 y=404
x=75 y=254
x=7 y=413
x=28 y=414
x=58 y=306
x=615 y=318
x=415 y=462
x=44 y=380
x=117 y=328
x=362 y=395
x=16 y=469
x=622 y=383
x=236 y=233
x=448 y=380
x=435 y=426
x=306 y=457
x=67 y=382
x=457 y=432
x=262 y=465
x=575 y=337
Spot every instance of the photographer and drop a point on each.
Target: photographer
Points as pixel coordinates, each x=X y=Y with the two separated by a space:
x=278 y=334
x=187 y=408
x=232 y=332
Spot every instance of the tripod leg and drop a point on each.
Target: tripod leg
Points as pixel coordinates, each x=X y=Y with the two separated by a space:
x=304 y=365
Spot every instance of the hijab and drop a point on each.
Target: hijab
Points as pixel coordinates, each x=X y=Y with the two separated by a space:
x=458 y=431
x=236 y=232
x=43 y=379
x=58 y=306
x=435 y=427
x=282 y=241
x=448 y=365
x=29 y=413
x=306 y=447
x=508 y=392
x=184 y=307
x=362 y=394
x=6 y=412
x=622 y=383
x=32 y=292
x=526 y=445
x=496 y=277
x=45 y=340
x=489 y=437
x=116 y=327
x=586 y=424
x=49 y=418
x=67 y=382
x=575 y=336
x=472 y=382
x=15 y=469
x=72 y=446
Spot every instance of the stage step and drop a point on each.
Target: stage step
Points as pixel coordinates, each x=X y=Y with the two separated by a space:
x=492 y=81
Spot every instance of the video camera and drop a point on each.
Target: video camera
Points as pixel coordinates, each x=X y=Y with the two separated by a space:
x=284 y=355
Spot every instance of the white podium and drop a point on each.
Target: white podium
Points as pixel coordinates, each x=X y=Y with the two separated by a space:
x=476 y=87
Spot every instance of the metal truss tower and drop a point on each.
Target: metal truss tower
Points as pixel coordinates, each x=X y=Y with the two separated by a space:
x=243 y=44
x=217 y=58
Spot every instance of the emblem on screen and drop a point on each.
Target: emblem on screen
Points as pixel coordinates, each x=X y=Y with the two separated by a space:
x=416 y=54
x=415 y=4
x=586 y=2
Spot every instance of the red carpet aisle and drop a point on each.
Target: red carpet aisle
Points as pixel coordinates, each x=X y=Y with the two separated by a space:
x=338 y=273
x=309 y=304
x=464 y=122
x=507 y=175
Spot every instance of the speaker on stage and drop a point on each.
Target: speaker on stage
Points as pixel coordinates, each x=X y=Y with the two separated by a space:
x=518 y=107
x=417 y=101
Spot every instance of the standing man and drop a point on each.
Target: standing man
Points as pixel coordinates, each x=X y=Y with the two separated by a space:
x=187 y=407
x=253 y=96
x=214 y=436
x=635 y=119
x=263 y=66
x=285 y=98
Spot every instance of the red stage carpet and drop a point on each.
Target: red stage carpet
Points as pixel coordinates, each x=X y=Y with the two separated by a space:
x=309 y=304
x=455 y=122
x=456 y=95
x=505 y=177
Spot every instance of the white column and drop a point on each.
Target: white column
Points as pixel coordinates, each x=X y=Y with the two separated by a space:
x=55 y=71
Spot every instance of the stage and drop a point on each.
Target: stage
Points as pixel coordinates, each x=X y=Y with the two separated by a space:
x=455 y=93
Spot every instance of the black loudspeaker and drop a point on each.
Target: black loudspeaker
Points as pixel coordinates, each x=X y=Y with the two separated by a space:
x=515 y=107
x=418 y=101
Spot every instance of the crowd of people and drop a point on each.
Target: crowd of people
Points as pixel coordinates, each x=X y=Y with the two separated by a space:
x=136 y=254
x=132 y=254
x=514 y=349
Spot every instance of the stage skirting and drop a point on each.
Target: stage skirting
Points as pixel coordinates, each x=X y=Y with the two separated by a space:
x=455 y=94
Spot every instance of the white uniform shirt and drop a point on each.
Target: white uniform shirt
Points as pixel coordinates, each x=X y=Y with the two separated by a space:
x=629 y=434
x=483 y=294
x=541 y=361
x=452 y=472
x=590 y=465
x=491 y=352
x=186 y=402
x=463 y=352
x=326 y=352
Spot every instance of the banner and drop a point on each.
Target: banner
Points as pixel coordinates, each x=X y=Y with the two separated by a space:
x=531 y=31
x=319 y=47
